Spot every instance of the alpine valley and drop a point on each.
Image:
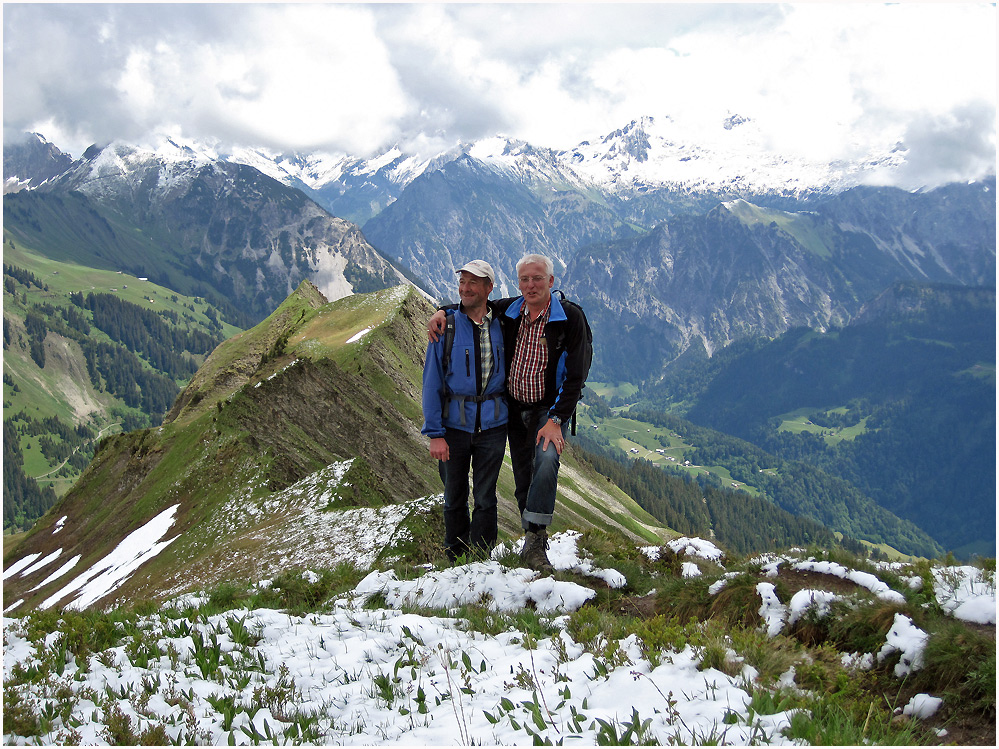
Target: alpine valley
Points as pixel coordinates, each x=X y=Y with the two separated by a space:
x=213 y=335
x=222 y=525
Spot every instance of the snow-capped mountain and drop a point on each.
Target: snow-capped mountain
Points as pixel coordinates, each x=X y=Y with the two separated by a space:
x=646 y=154
x=734 y=157
x=189 y=218
x=122 y=171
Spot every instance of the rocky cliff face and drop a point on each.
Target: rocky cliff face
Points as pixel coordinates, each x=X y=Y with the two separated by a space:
x=742 y=270
x=946 y=235
x=31 y=161
x=467 y=210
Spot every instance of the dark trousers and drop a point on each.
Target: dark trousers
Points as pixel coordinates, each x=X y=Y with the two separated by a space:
x=535 y=470
x=483 y=453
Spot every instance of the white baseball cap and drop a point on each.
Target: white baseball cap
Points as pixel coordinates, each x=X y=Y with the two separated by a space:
x=479 y=268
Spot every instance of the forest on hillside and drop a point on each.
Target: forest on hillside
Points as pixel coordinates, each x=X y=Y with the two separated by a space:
x=916 y=383
x=794 y=488
x=137 y=356
x=699 y=507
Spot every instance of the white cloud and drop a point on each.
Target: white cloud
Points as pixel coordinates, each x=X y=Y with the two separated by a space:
x=319 y=71
x=295 y=77
x=826 y=80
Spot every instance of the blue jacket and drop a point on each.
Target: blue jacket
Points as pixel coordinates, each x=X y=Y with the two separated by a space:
x=569 y=349
x=447 y=394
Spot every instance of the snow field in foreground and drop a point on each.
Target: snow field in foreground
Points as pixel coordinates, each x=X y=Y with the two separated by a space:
x=381 y=676
x=358 y=675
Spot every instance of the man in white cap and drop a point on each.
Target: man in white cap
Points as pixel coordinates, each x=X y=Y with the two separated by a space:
x=549 y=347
x=465 y=413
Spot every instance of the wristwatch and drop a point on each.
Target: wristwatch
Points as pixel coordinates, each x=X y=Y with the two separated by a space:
x=557 y=420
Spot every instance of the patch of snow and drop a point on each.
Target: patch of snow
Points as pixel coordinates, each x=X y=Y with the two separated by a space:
x=696 y=547
x=966 y=593
x=915 y=582
x=863 y=579
x=563 y=553
x=487 y=583
x=906 y=638
x=689 y=569
x=58 y=573
x=858 y=661
x=772 y=610
x=786 y=680
x=922 y=706
x=110 y=572
x=805 y=600
x=359 y=335
x=721 y=582
x=20 y=564
x=42 y=563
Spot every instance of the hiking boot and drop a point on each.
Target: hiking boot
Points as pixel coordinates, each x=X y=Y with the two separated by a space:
x=533 y=554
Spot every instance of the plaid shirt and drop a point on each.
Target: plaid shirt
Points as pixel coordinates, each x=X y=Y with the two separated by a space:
x=485 y=349
x=526 y=381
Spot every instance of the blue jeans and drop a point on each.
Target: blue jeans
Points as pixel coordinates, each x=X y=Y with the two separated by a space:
x=483 y=452
x=535 y=470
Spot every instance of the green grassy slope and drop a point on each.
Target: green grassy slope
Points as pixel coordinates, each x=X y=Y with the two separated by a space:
x=248 y=452
x=48 y=402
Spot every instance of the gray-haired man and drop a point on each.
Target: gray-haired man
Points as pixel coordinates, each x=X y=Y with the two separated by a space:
x=549 y=351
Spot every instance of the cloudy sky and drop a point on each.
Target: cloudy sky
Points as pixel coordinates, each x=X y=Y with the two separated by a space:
x=826 y=80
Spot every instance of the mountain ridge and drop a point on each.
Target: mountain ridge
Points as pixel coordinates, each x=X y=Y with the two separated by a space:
x=660 y=272
x=647 y=153
x=742 y=269
x=316 y=408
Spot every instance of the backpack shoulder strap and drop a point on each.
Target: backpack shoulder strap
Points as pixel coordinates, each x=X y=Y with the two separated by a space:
x=448 y=344
x=447 y=395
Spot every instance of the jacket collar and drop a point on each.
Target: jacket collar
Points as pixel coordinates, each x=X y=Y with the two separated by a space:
x=557 y=312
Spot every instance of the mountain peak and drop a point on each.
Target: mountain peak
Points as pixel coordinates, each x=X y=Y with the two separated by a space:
x=30 y=161
x=309 y=293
